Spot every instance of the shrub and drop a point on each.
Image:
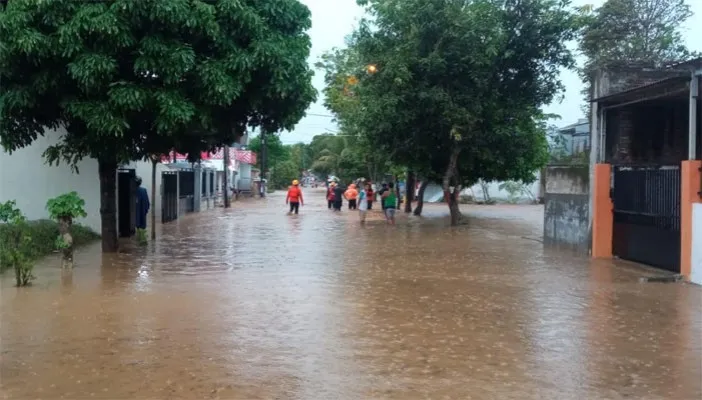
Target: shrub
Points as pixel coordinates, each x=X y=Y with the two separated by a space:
x=64 y=209
x=44 y=233
x=15 y=242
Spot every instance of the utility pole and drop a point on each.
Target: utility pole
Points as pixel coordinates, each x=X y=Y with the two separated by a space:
x=226 y=177
x=264 y=155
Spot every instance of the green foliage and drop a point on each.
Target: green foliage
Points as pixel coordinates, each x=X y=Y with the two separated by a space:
x=622 y=32
x=127 y=79
x=122 y=91
x=283 y=175
x=15 y=243
x=68 y=205
x=633 y=32
x=457 y=83
x=45 y=236
x=275 y=150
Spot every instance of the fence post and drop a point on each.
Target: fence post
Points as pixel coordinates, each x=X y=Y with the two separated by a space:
x=602 y=216
x=689 y=195
x=197 y=188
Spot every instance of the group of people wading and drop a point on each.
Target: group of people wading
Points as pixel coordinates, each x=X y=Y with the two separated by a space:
x=360 y=196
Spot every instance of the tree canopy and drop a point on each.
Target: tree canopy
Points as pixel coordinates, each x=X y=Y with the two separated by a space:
x=454 y=87
x=622 y=32
x=126 y=79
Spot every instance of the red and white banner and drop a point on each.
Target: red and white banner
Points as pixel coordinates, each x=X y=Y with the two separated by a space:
x=244 y=156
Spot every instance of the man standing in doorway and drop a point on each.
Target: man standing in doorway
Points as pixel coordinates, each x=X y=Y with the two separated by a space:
x=294 y=197
x=142 y=210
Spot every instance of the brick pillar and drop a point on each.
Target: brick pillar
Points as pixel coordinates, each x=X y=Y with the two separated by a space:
x=602 y=212
x=689 y=195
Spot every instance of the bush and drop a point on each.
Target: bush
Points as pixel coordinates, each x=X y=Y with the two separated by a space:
x=43 y=234
x=64 y=209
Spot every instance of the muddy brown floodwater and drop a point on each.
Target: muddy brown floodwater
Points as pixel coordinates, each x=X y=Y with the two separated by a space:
x=250 y=303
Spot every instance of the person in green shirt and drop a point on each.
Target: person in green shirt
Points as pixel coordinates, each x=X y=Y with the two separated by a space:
x=389 y=199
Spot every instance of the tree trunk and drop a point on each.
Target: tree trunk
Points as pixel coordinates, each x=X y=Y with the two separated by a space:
x=108 y=204
x=409 y=190
x=225 y=184
x=153 y=198
x=398 y=194
x=449 y=178
x=420 y=197
x=64 y=225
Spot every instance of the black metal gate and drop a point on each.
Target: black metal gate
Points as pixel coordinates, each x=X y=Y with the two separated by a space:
x=186 y=190
x=169 y=196
x=647 y=215
x=126 y=202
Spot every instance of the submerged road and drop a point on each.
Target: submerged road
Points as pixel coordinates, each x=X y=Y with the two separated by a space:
x=250 y=303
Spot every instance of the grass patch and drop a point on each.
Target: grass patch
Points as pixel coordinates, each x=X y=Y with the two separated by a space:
x=44 y=233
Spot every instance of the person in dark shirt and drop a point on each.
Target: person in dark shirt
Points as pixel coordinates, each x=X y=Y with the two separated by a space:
x=383 y=189
x=142 y=210
x=339 y=190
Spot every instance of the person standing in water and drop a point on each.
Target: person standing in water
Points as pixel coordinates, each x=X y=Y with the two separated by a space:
x=294 y=197
x=330 y=195
x=390 y=203
x=338 y=196
x=363 y=203
x=381 y=192
x=370 y=195
x=142 y=210
x=351 y=196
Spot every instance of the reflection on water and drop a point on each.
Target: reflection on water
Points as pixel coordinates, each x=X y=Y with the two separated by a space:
x=250 y=303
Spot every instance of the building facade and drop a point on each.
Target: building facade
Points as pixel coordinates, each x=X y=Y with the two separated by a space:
x=645 y=183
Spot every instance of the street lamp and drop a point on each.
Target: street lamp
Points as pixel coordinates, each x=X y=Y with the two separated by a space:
x=371 y=68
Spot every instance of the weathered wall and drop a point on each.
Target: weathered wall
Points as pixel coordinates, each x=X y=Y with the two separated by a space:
x=696 y=273
x=27 y=179
x=566 y=198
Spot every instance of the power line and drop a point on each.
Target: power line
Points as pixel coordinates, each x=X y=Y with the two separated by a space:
x=320 y=115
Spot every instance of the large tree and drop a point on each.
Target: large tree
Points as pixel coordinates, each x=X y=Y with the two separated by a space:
x=632 y=32
x=457 y=85
x=276 y=152
x=130 y=78
x=622 y=32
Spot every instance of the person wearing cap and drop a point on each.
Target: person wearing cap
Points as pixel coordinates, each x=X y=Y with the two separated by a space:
x=142 y=210
x=294 y=197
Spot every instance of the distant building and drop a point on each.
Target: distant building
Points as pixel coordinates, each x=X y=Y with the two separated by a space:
x=576 y=137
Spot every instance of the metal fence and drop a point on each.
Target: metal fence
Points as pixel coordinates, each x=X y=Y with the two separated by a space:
x=169 y=196
x=647 y=214
x=186 y=191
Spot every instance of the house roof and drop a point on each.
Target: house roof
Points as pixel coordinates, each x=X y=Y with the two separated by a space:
x=662 y=88
x=695 y=63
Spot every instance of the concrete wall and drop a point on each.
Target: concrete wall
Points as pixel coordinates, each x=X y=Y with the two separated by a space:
x=566 y=214
x=27 y=179
x=696 y=273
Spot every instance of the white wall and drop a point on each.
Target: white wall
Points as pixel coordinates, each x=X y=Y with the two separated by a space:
x=434 y=192
x=696 y=273
x=27 y=179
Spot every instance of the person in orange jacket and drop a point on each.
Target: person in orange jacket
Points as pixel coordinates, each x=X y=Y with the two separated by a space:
x=351 y=195
x=294 y=197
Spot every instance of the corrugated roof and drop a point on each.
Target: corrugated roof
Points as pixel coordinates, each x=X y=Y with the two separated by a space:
x=694 y=62
x=660 y=82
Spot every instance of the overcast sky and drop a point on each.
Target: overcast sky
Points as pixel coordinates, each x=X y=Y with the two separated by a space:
x=333 y=20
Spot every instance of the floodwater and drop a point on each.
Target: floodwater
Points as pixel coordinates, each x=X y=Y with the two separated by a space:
x=250 y=303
